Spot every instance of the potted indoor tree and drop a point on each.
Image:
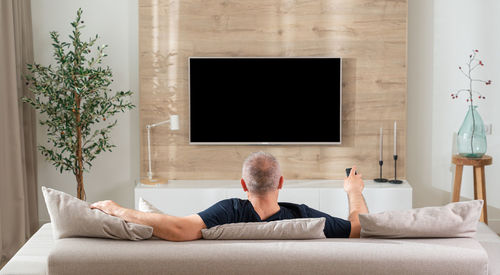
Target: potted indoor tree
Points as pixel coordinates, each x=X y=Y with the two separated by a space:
x=75 y=102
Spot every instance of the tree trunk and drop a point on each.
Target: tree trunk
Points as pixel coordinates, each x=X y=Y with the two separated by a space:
x=80 y=190
x=79 y=159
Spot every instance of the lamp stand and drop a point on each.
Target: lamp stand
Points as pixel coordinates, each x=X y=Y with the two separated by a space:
x=174 y=125
x=153 y=181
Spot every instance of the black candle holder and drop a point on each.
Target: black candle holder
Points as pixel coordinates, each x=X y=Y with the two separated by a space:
x=395 y=180
x=380 y=179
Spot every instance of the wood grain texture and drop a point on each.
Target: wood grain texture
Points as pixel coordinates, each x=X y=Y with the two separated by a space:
x=482 y=161
x=370 y=36
x=457 y=185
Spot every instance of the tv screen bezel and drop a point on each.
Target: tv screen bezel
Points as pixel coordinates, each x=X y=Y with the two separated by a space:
x=265 y=143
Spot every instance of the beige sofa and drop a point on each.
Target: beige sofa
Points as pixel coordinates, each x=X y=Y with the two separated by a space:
x=42 y=255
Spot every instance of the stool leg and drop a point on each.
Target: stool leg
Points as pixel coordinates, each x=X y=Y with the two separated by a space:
x=458 y=183
x=485 y=206
x=481 y=191
x=475 y=182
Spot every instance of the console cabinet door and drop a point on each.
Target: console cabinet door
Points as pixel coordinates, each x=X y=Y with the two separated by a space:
x=383 y=199
x=334 y=202
x=182 y=201
x=307 y=196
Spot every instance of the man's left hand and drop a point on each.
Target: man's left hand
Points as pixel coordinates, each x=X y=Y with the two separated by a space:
x=108 y=207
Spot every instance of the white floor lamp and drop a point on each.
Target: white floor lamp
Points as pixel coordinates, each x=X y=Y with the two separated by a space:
x=174 y=125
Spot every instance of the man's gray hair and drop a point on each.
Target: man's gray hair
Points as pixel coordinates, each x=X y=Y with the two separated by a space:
x=261 y=172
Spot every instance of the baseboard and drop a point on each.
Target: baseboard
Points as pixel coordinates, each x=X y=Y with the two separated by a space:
x=494 y=224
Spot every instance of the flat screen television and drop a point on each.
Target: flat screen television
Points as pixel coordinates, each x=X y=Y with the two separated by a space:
x=263 y=100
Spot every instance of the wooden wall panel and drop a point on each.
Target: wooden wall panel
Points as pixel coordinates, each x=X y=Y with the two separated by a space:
x=370 y=35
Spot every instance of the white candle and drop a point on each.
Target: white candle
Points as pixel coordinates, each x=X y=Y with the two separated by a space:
x=395 y=139
x=381 y=143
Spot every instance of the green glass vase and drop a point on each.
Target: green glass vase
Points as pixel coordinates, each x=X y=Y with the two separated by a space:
x=471 y=140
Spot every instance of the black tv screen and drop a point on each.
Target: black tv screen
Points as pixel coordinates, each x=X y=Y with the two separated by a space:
x=260 y=100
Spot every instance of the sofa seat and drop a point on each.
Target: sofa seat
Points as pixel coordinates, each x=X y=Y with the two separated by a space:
x=42 y=255
x=491 y=243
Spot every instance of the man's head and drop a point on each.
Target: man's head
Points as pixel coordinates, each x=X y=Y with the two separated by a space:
x=261 y=173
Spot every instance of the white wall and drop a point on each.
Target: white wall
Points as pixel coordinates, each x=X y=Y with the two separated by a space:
x=420 y=112
x=441 y=34
x=116 y=21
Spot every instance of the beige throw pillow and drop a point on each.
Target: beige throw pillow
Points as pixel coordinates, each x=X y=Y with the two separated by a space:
x=146 y=206
x=292 y=229
x=72 y=217
x=453 y=220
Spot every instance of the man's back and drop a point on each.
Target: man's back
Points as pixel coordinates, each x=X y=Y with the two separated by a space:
x=237 y=210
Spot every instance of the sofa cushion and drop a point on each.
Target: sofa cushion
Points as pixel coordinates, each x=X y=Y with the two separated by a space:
x=453 y=220
x=72 y=217
x=292 y=229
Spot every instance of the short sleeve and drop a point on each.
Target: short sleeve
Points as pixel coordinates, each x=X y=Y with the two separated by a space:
x=220 y=213
x=334 y=227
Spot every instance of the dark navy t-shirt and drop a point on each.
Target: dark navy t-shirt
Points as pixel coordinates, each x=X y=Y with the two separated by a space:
x=237 y=210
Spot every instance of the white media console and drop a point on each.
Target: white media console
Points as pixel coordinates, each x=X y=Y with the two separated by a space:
x=185 y=197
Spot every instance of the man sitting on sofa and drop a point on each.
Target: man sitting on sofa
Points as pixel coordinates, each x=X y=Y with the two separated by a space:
x=262 y=180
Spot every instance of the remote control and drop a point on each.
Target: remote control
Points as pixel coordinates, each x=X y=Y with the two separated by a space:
x=348 y=172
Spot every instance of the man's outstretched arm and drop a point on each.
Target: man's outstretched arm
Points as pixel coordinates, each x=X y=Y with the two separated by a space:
x=167 y=227
x=353 y=185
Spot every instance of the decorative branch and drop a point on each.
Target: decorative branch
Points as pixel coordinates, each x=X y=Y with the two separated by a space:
x=471 y=65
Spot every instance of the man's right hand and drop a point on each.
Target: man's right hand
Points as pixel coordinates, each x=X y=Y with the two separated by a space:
x=354 y=183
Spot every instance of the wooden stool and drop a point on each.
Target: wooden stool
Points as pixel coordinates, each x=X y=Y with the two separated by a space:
x=479 y=180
